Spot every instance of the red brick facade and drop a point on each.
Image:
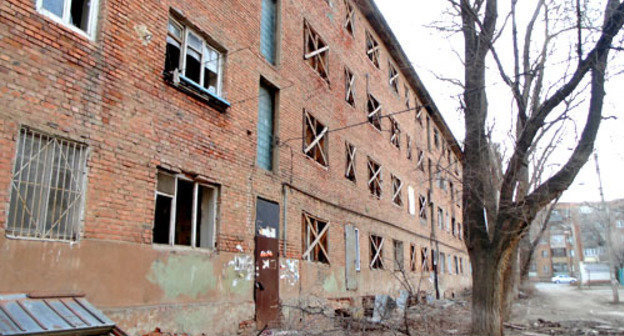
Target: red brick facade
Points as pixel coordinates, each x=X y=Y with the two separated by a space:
x=109 y=93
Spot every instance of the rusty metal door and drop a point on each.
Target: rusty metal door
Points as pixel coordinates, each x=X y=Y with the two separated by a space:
x=266 y=291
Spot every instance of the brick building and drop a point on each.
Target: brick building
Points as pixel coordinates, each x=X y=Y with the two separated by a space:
x=173 y=160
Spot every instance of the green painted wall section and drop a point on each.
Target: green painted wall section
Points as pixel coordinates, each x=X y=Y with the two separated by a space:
x=189 y=276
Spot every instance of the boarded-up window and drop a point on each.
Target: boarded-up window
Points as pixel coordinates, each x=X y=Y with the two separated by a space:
x=374 y=178
x=374 y=111
x=408 y=102
x=422 y=207
x=420 y=162
x=397 y=191
x=185 y=212
x=315 y=241
x=266 y=120
x=376 y=252
x=393 y=77
x=268 y=30
x=350 y=161
x=316 y=52
x=424 y=260
x=413 y=258
x=372 y=49
x=315 y=139
x=349 y=87
x=47 y=190
x=419 y=113
x=349 y=22
x=395 y=133
x=399 y=261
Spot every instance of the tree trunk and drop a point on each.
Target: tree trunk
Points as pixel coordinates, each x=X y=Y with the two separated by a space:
x=488 y=294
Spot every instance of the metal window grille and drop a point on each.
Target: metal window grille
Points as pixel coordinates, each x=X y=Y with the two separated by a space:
x=47 y=190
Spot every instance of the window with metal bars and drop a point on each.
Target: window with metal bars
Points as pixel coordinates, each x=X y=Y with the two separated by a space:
x=350 y=166
x=374 y=178
x=349 y=23
x=374 y=112
x=395 y=133
x=376 y=252
x=316 y=52
x=349 y=87
x=393 y=77
x=314 y=139
x=48 y=187
x=315 y=240
x=372 y=49
x=185 y=212
x=397 y=191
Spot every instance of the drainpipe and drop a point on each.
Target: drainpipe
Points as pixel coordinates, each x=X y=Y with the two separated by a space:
x=433 y=239
x=284 y=217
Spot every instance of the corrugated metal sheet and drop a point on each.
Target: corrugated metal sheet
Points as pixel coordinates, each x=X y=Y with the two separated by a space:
x=23 y=315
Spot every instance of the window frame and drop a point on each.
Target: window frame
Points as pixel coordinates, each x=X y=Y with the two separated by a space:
x=376 y=244
x=321 y=239
x=349 y=87
x=373 y=52
x=397 y=191
x=374 y=110
x=349 y=18
x=422 y=207
x=393 y=78
x=212 y=245
x=187 y=30
x=318 y=147
x=64 y=21
x=319 y=56
x=374 y=178
x=350 y=172
x=395 y=133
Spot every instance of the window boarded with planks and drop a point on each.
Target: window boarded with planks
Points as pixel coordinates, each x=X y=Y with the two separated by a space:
x=316 y=51
x=314 y=139
x=374 y=178
x=374 y=112
x=376 y=252
x=315 y=241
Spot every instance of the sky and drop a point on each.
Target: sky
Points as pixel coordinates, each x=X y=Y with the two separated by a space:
x=434 y=55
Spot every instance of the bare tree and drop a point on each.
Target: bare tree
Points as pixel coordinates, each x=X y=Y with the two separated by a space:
x=494 y=229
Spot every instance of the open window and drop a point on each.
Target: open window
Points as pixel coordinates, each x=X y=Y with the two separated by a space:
x=422 y=207
x=397 y=191
x=393 y=77
x=350 y=167
x=191 y=60
x=316 y=52
x=349 y=22
x=376 y=252
x=395 y=133
x=315 y=241
x=372 y=49
x=399 y=261
x=315 y=139
x=374 y=111
x=79 y=15
x=185 y=212
x=374 y=178
x=413 y=258
x=349 y=87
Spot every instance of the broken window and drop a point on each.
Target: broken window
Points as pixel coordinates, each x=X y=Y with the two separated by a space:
x=374 y=178
x=436 y=138
x=424 y=260
x=350 y=170
x=350 y=17
x=315 y=241
x=409 y=147
x=399 y=262
x=422 y=207
x=47 y=189
x=192 y=58
x=372 y=49
x=393 y=77
x=79 y=14
x=397 y=191
x=376 y=252
x=413 y=258
x=395 y=133
x=408 y=103
x=420 y=162
x=440 y=218
x=349 y=87
x=316 y=51
x=185 y=212
x=315 y=139
x=374 y=112
x=419 y=115
x=453 y=230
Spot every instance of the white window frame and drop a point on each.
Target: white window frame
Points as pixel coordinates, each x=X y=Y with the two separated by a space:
x=172 y=218
x=184 y=48
x=91 y=25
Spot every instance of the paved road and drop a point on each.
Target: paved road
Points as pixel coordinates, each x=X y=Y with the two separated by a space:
x=553 y=302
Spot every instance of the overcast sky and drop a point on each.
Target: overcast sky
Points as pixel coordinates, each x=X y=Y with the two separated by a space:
x=433 y=52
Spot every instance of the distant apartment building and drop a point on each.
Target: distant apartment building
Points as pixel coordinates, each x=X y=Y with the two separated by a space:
x=177 y=160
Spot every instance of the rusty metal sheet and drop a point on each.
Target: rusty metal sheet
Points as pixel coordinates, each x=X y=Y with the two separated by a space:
x=266 y=288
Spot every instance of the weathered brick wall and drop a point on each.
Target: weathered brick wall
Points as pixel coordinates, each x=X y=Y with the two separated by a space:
x=109 y=93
